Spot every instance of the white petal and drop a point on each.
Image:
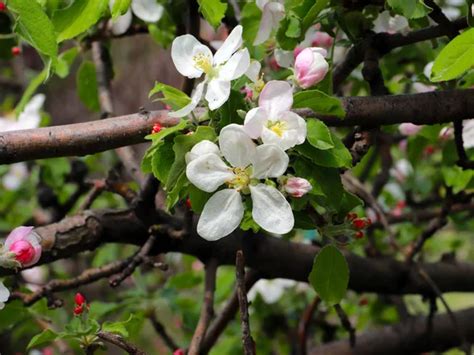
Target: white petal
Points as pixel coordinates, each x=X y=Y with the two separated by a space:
x=265 y=28
x=217 y=93
x=230 y=45
x=254 y=122
x=4 y=293
x=271 y=210
x=122 y=23
x=31 y=115
x=147 y=10
x=195 y=98
x=294 y=134
x=284 y=59
x=261 y=3
x=468 y=133
x=253 y=70
x=276 y=97
x=269 y=161
x=208 y=172
x=236 y=145
x=236 y=66
x=203 y=147
x=183 y=50
x=221 y=215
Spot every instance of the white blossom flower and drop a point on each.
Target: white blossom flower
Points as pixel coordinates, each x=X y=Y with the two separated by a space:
x=468 y=133
x=272 y=120
x=147 y=10
x=17 y=173
x=249 y=164
x=192 y=59
x=272 y=13
x=270 y=290
x=4 y=295
x=386 y=23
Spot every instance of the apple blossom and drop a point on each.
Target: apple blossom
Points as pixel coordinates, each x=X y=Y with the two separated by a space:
x=272 y=120
x=147 y=10
x=310 y=66
x=13 y=179
x=192 y=59
x=468 y=133
x=270 y=290
x=249 y=164
x=386 y=23
x=4 y=295
x=296 y=186
x=316 y=38
x=272 y=13
x=22 y=247
x=409 y=129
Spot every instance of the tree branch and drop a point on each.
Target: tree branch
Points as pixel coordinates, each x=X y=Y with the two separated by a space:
x=117 y=340
x=98 y=136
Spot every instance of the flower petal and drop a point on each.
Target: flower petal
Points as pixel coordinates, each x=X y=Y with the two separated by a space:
x=31 y=116
x=147 y=10
x=35 y=241
x=195 y=98
x=122 y=23
x=236 y=66
x=17 y=234
x=230 y=45
x=208 y=172
x=271 y=210
x=221 y=215
x=254 y=122
x=4 y=293
x=183 y=50
x=236 y=145
x=468 y=133
x=203 y=147
x=217 y=93
x=284 y=59
x=276 y=97
x=272 y=13
x=269 y=161
x=253 y=70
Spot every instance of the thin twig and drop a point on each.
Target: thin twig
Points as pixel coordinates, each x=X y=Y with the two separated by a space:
x=117 y=340
x=305 y=321
x=136 y=260
x=346 y=324
x=207 y=309
x=87 y=277
x=247 y=340
x=160 y=329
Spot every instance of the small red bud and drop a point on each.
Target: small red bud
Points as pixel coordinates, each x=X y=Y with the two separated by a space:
x=429 y=149
x=359 y=234
x=16 y=51
x=3 y=6
x=78 y=310
x=79 y=299
x=188 y=203
x=358 y=223
x=156 y=128
x=178 y=352
x=351 y=215
x=363 y=301
x=401 y=204
x=369 y=222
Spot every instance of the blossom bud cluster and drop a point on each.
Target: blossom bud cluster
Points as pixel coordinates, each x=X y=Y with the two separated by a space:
x=358 y=224
x=81 y=304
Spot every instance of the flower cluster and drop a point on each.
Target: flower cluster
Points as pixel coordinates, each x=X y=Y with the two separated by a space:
x=81 y=304
x=358 y=224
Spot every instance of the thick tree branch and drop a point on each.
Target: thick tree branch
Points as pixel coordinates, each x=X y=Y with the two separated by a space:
x=272 y=257
x=98 y=136
x=410 y=337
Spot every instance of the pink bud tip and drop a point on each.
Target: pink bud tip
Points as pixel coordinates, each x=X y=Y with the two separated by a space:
x=297 y=187
x=24 y=251
x=79 y=299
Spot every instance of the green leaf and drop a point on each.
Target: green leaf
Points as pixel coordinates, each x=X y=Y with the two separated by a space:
x=30 y=90
x=118 y=327
x=287 y=42
x=120 y=7
x=319 y=135
x=86 y=84
x=77 y=18
x=65 y=61
x=182 y=145
x=336 y=157
x=411 y=9
x=171 y=96
x=213 y=11
x=163 y=158
x=294 y=27
x=456 y=58
x=34 y=26
x=178 y=191
x=164 y=37
x=313 y=13
x=198 y=198
x=319 y=102
x=250 y=21
x=45 y=337
x=330 y=275
x=456 y=177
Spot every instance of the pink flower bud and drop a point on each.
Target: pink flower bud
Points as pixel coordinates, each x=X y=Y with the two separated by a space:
x=310 y=67
x=409 y=129
x=25 y=245
x=322 y=39
x=297 y=187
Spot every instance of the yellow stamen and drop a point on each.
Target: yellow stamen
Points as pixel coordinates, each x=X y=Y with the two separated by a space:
x=203 y=62
x=278 y=127
x=241 y=179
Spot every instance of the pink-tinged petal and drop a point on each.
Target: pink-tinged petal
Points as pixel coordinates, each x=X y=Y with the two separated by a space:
x=310 y=67
x=17 y=234
x=229 y=47
x=297 y=187
x=276 y=97
x=409 y=129
x=254 y=122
